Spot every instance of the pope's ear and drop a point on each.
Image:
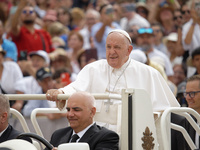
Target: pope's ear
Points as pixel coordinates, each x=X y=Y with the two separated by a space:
x=130 y=48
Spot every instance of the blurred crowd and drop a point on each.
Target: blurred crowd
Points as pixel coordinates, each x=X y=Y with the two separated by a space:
x=45 y=43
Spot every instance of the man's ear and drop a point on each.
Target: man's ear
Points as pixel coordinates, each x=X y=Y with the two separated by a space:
x=93 y=111
x=4 y=117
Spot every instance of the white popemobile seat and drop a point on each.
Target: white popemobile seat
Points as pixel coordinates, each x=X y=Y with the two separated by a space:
x=74 y=146
x=17 y=144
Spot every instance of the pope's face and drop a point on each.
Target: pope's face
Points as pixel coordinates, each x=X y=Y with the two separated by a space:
x=117 y=49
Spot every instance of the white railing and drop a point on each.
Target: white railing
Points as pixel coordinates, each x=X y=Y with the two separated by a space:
x=166 y=125
x=136 y=115
x=60 y=96
x=21 y=119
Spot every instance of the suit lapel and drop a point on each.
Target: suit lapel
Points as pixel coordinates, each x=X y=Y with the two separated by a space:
x=65 y=139
x=6 y=134
x=89 y=133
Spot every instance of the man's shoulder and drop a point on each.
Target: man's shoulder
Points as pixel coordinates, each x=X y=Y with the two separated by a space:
x=11 y=133
x=157 y=52
x=42 y=31
x=135 y=65
x=187 y=24
x=138 y=20
x=99 y=63
x=62 y=131
x=101 y=130
x=10 y=64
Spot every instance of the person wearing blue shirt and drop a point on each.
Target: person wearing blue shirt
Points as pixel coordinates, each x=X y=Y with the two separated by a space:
x=100 y=30
x=8 y=46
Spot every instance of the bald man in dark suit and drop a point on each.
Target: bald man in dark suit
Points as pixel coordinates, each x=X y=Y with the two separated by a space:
x=80 y=115
x=7 y=132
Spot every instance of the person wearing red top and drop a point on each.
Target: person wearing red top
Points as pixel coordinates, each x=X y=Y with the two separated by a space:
x=25 y=36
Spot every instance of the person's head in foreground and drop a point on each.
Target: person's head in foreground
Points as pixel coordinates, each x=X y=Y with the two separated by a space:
x=192 y=93
x=4 y=112
x=80 y=110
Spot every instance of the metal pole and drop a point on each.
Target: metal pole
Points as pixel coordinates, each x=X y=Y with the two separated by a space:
x=60 y=96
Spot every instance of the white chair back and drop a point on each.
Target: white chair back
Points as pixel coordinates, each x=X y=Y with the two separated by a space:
x=17 y=144
x=166 y=125
x=138 y=126
x=74 y=146
x=21 y=119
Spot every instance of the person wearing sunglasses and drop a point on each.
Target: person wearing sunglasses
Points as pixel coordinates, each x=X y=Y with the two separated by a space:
x=145 y=36
x=23 y=32
x=191 y=32
x=158 y=37
x=185 y=10
x=178 y=19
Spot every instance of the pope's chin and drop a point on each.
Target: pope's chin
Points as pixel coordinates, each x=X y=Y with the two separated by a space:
x=112 y=62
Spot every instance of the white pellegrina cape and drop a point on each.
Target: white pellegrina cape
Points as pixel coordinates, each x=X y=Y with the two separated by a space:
x=94 y=78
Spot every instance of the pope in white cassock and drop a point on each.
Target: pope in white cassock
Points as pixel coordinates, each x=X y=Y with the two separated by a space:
x=119 y=72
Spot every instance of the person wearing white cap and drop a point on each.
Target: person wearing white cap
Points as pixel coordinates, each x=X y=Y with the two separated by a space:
x=35 y=61
x=145 y=36
x=29 y=84
x=119 y=72
x=171 y=44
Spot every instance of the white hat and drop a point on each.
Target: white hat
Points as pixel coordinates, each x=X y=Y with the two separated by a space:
x=122 y=32
x=171 y=37
x=41 y=53
x=138 y=55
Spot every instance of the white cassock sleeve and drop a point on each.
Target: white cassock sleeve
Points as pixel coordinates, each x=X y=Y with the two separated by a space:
x=92 y=78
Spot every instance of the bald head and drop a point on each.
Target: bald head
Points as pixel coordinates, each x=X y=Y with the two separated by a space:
x=80 y=110
x=4 y=112
x=4 y=104
x=85 y=97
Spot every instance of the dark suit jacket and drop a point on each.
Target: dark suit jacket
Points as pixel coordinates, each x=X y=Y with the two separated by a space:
x=177 y=140
x=11 y=133
x=191 y=131
x=98 y=138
